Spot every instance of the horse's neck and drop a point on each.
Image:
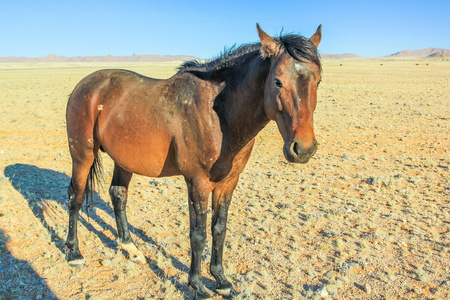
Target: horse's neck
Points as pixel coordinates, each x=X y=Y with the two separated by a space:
x=244 y=103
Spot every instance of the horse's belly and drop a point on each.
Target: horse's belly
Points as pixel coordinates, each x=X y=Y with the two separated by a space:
x=148 y=161
x=148 y=153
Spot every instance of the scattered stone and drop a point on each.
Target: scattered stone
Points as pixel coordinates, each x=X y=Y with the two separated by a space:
x=370 y=235
x=108 y=253
x=333 y=292
x=128 y=265
x=367 y=288
x=60 y=243
x=322 y=292
x=106 y=262
x=378 y=181
x=332 y=233
x=329 y=274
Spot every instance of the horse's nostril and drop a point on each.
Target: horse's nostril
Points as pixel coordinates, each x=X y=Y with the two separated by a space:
x=296 y=148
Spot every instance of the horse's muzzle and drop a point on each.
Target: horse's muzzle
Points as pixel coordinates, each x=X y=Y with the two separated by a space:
x=295 y=151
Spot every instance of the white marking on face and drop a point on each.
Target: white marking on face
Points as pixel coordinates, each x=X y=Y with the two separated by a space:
x=298 y=67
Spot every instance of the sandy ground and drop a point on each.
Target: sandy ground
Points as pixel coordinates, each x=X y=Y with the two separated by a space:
x=366 y=218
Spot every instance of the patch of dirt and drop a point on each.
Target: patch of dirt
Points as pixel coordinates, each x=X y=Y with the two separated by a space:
x=366 y=218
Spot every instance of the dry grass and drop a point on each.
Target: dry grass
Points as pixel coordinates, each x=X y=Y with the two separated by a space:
x=367 y=217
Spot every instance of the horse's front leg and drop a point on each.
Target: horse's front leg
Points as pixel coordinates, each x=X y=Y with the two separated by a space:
x=198 y=205
x=221 y=199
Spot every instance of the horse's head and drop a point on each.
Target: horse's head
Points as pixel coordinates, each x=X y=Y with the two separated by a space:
x=291 y=90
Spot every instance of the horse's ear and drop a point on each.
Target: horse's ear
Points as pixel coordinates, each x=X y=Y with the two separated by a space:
x=270 y=47
x=315 y=39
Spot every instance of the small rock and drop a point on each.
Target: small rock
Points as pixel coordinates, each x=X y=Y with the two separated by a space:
x=106 y=262
x=322 y=292
x=329 y=274
x=333 y=292
x=108 y=253
x=367 y=288
x=60 y=243
x=129 y=265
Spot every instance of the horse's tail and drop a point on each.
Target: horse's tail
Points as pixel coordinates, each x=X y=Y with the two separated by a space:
x=94 y=180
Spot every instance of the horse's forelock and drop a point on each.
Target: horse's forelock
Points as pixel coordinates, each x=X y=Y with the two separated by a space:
x=300 y=48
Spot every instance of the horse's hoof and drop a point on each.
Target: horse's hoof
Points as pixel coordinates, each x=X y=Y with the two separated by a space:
x=199 y=295
x=135 y=255
x=77 y=263
x=225 y=290
x=74 y=258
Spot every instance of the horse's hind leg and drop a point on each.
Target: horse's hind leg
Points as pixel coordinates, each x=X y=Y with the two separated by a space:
x=80 y=173
x=118 y=192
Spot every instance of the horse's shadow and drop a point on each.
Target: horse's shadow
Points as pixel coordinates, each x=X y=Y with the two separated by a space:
x=39 y=186
x=12 y=281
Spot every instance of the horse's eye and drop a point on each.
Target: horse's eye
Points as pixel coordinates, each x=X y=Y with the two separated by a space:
x=278 y=83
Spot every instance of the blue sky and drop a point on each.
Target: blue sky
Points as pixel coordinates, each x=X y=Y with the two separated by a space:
x=204 y=28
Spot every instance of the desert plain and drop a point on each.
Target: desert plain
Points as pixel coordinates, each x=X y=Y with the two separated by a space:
x=368 y=217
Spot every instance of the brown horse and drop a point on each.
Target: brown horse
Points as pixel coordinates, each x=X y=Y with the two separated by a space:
x=200 y=123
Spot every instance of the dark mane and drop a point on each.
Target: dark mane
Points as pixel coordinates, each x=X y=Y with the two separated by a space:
x=299 y=47
x=227 y=59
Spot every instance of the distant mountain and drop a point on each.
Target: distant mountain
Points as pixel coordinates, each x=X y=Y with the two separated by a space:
x=108 y=58
x=439 y=54
x=428 y=52
x=339 y=56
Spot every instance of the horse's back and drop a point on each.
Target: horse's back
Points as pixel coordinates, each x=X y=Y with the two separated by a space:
x=101 y=88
